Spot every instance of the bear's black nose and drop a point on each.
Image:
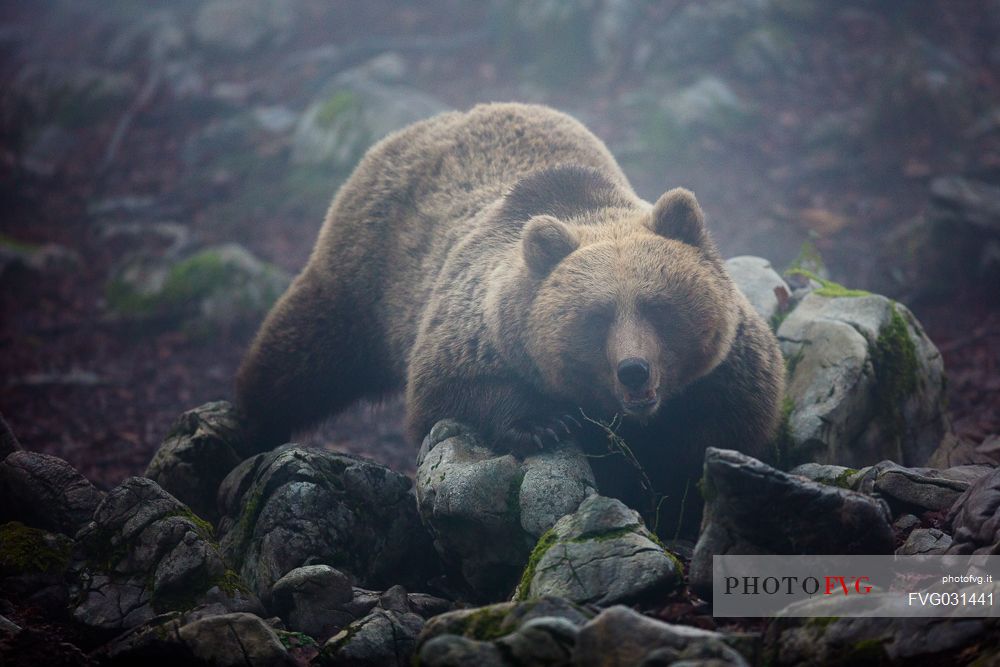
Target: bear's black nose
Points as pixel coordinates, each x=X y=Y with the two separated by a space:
x=633 y=372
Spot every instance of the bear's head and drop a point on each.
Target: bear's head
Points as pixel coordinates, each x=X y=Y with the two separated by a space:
x=629 y=304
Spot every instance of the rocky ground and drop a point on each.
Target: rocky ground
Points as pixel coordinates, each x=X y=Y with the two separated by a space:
x=165 y=167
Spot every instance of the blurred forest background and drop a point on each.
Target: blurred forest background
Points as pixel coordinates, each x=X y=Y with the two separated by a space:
x=165 y=167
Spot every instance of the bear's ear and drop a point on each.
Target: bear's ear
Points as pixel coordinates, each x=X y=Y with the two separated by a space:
x=677 y=215
x=545 y=243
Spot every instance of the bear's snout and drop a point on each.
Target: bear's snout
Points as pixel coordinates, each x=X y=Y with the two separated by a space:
x=633 y=373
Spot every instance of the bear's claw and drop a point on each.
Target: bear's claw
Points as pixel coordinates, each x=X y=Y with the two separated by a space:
x=529 y=436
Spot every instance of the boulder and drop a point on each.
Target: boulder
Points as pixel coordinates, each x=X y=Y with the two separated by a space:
x=312 y=599
x=46 y=492
x=751 y=508
x=296 y=506
x=619 y=636
x=214 y=288
x=760 y=284
x=203 y=446
x=887 y=637
x=145 y=553
x=382 y=638
x=864 y=381
x=925 y=541
x=601 y=554
x=485 y=510
x=975 y=517
x=354 y=111
x=234 y=639
x=541 y=631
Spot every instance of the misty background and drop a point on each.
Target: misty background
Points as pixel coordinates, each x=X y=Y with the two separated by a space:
x=165 y=167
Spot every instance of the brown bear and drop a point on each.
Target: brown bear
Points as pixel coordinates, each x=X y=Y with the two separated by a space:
x=497 y=265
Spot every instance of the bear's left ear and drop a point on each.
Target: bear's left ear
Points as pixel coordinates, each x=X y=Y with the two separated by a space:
x=677 y=215
x=545 y=243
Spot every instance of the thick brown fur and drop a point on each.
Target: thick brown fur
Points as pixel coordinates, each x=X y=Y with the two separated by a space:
x=497 y=266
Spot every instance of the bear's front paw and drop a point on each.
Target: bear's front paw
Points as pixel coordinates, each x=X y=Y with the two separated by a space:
x=531 y=435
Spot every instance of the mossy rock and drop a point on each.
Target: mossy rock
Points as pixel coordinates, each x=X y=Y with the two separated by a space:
x=26 y=550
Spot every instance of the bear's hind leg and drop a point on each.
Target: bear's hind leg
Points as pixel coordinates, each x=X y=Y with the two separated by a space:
x=312 y=357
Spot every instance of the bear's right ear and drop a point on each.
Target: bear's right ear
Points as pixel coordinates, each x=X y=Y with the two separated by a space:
x=677 y=215
x=546 y=241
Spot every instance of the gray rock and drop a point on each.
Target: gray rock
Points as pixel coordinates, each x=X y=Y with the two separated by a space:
x=926 y=541
x=831 y=475
x=296 y=506
x=975 y=517
x=8 y=628
x=707 y=103
x=601 y=554
x=354 y=111
x=501 y=619
x=203 y=446
x=215 y=288
x=486 y=510
x=906 y=522
x=145 y=553
x=311 y=599
x=621 y=636
x=8 y=441
x=455 y=651
x=865 y=381
x=886 y=638
x=760 y=284
x=380 y=639
x=965 y=202
x=239 y=26
x=36 y=260
x=234 y=639
x=46 y=492
x=801 y=516
x=919 y=487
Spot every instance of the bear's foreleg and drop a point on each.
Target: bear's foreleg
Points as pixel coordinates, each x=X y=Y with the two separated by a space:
x=309 y=359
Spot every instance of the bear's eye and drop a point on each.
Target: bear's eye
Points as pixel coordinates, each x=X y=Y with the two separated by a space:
x=663 y=316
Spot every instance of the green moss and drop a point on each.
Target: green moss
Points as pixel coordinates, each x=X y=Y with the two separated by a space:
x=894 y=357
x=294 y=640
x=867 y=651
x=335 y=105
x=203 y=528
x=843 y=480
x=486 y=623
x=828 y=288
x=544 y=543
x=821 y=621
x=25 y=550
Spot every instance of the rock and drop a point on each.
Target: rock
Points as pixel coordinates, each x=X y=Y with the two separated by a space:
x=920 y=488
x=8 y=441
x=760 y=284
x=46 y=492
x=234 y=639
x=35 y=260
x=8 y=628
x=203 y=446
x=707 y=103
x=33 y=566
x=621 y=636
x=239 y=26
x=802 y=517
x=354 y=111
x=965 y=202
x=295 y=506
x=486 y=510
x=601 y=554
x=536 y=632
x=380 y=639
x=975 y=517
x=311 y=599
x=144 y=554
x=885 y=638
x=925 y=541
x=831 y=475
x=865 y=382
x=906 y=522
x=428 y=606
x=216 y=288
